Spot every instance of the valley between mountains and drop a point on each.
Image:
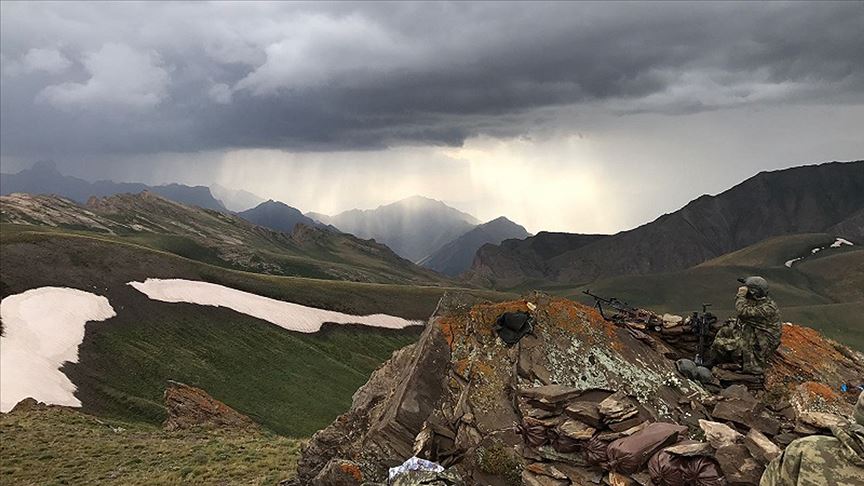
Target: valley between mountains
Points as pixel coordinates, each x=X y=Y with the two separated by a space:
x=283 y=315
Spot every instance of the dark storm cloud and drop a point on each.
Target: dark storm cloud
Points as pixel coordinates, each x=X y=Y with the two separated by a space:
x=138 y=78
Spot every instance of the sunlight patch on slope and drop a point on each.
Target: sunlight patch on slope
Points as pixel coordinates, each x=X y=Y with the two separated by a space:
x=288 y=315
x=42 y=329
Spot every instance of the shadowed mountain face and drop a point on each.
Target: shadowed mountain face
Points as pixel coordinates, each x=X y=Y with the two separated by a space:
x=414 y=227
x=44 y=178
x=456 y=257
x=277 y=215
x=808 y=199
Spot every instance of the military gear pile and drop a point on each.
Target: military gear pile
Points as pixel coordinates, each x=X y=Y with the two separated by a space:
x=583 y=401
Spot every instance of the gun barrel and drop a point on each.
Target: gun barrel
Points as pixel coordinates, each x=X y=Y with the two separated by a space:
x=596 y=297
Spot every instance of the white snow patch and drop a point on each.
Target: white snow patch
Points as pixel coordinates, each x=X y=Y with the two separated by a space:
x=816 y=250
x=294 y=317
x=42 y=329
x=841 y=241
x=789 y=263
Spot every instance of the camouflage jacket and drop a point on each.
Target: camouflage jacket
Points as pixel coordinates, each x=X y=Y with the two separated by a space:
x=761 y=314
x=820 y=460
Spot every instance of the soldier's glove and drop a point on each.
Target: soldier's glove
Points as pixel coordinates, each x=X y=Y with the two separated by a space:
x=742 y=291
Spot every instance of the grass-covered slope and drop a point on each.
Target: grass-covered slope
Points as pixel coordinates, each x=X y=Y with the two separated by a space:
x=292 y=383
x=62 y=446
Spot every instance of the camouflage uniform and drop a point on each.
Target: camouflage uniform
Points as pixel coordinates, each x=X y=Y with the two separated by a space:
x=726 y=347
x=822 y=460
x=760 y=331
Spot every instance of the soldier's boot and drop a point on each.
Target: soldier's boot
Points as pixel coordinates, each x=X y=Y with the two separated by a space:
x=750 y=365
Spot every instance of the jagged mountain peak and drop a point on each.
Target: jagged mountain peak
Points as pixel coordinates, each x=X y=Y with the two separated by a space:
x=413 y=227
x=456 y=256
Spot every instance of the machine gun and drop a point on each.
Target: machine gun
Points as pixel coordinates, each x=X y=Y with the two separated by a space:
x=622 y=308
x=701 y=325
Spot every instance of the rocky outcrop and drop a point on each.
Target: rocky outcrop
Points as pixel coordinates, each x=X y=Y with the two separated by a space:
x=579 y=400
x=188 y=407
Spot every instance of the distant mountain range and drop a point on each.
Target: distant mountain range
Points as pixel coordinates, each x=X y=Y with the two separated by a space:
x=414 y=227
x=456 y=257
x=235 y=199
x=278 y=216
x=44 y=178
x=809 y=199
x=219 y=238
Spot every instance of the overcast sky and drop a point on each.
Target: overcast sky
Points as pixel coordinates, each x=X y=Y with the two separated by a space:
x=564 y=116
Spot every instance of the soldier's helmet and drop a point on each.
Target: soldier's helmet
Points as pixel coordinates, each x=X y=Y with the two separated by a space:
x=758 y=286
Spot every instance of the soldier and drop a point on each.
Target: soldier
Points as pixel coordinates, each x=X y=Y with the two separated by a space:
x=822 y=459
x=759 y=318
x=754 y=336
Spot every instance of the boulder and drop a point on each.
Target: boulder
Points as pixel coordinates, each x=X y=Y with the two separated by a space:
x=738 y=392
x=821 y=420
x=735 y=410
x=586 y=412
x=738 y=466
x=690 y=448
x=764 y=423
x=544 y=474
x=720 y=435
x=616 y=479
x=748 y=412
x=617 y=407
x=188 y=406
x=760 y=447
x=576 y=430
x=671 y=320
x=339 y=472
x=28 y=404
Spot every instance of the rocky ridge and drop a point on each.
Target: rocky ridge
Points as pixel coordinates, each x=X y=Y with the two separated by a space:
x=570 y=403
x=188 y=406
x=819 y=198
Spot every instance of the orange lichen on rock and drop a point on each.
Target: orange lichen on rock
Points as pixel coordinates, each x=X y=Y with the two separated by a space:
x=353 y=470
x=489 y=312
x=806 y=353
x=583 y=321
x=450 y=327
x=820 y=390
x=810 y=364
x=460 y=366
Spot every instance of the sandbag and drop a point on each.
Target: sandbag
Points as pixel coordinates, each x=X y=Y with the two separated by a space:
x=667 y=469
x=595 y=452
x=533 y=432
x=628 y=455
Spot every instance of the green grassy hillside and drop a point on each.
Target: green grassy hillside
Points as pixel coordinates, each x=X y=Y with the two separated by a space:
x=62 y=446
x=824 y=291
x=292 y=383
